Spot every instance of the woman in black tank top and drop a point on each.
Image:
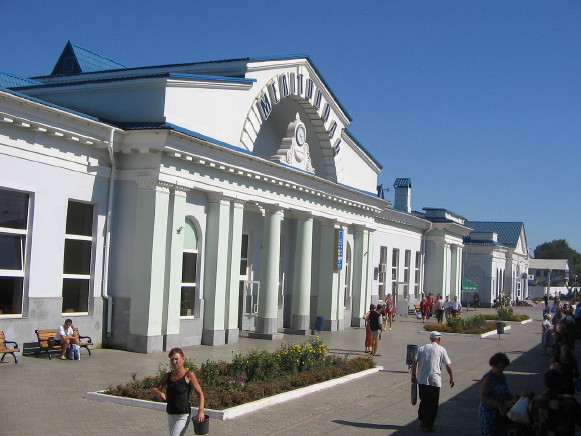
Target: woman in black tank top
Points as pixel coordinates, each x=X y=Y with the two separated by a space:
x=179 y=384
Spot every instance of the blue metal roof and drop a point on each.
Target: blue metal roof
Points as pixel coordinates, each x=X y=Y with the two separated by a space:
x=75 y=59
x=8 y=80
x=508 y=232
x=402 y=183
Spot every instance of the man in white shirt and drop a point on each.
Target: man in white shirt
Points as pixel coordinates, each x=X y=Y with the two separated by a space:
x=426 y=372
x=447 y=307
x=64 y=336
x=456 y=307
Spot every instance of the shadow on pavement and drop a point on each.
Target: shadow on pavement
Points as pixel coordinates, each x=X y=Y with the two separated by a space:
x=366 y=425
x=459 y=414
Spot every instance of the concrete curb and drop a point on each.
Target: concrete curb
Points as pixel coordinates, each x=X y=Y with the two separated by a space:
x=526 y=321
x=242 y=409
x=493 y=332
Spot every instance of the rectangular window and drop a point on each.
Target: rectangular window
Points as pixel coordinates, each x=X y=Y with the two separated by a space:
x=394 y=271
x=189 y=274
x=406 y=273
x=382 y=272
x=13 y=232
x=244 y=256
x=78 y=256
x=417 y=275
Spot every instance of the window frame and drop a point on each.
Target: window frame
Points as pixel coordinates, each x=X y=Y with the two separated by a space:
x=22 y=272
x=90 y=277
x=196 y=308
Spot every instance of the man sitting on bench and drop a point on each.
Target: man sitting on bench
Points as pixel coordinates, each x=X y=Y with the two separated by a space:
x=65 y=336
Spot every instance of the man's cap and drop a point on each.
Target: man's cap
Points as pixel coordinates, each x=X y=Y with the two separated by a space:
x=435 y=335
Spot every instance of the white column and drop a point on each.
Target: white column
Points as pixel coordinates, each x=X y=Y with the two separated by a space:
x=360 y=262
x=149 y=263
x=233 y=287
x=173 y=290
x=456 y=272
x=216 y=270
x=328 y=277
x=301 y=296
x=267 y=320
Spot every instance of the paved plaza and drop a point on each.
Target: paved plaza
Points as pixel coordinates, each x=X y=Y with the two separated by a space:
x=41 y=396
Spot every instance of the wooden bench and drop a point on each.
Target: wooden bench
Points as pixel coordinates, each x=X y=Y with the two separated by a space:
x=5 y=350
x=46 y=341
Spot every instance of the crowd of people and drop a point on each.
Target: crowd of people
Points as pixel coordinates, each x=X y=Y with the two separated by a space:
x=440 y=306
x=554 y=412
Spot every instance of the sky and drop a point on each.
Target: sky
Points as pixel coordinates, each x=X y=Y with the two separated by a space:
x=478 y=102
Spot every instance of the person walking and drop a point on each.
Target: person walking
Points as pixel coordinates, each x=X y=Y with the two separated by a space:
x=494 y=396
x=447 y=307
x=375 y=324
x=426 y=372
x=368 y=338
x=389 y=310
x=455 y=307
x=440 y=309
x=424 y=308
x=179 y=383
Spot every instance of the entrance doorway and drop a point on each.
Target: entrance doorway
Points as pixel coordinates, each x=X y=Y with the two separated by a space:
x=249 y=290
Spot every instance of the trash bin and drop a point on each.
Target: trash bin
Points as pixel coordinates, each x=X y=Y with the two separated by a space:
x=500 y=328
x=319 y=324
x=412 y=351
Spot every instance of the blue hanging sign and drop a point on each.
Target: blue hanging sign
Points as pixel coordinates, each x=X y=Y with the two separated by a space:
x=339 y=248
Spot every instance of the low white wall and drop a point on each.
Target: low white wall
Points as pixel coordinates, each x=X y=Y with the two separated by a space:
x=539 y=291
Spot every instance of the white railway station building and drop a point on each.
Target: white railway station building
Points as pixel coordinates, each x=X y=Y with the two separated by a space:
x=182 y=204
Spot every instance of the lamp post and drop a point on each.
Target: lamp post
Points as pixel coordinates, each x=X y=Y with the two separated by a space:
x=549 y=283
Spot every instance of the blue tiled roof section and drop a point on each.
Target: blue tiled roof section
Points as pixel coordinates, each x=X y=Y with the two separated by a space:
x=402 y=183
x=89 y=61
x=8 y=80
x=508 y=232
x=75 y=59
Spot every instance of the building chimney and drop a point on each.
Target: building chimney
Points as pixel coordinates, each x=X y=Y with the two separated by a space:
x=403 y=195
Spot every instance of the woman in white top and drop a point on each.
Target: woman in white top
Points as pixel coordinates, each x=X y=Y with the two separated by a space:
x=547 y=335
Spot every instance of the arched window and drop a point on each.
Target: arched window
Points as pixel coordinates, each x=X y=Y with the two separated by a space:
x=189 y=299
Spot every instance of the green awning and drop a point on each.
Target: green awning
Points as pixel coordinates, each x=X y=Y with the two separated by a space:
x=468 y=286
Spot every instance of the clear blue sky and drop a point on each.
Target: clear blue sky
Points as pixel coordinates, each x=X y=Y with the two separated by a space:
x=479 y=102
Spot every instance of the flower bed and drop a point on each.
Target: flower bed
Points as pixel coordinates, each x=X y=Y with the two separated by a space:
x=456 y=327
x=255 y=375
x=506 y=314
x=518 y=318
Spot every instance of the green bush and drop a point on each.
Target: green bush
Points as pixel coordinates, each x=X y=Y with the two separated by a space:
x=474 y=322
x=455 y=322
x=505 y=313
